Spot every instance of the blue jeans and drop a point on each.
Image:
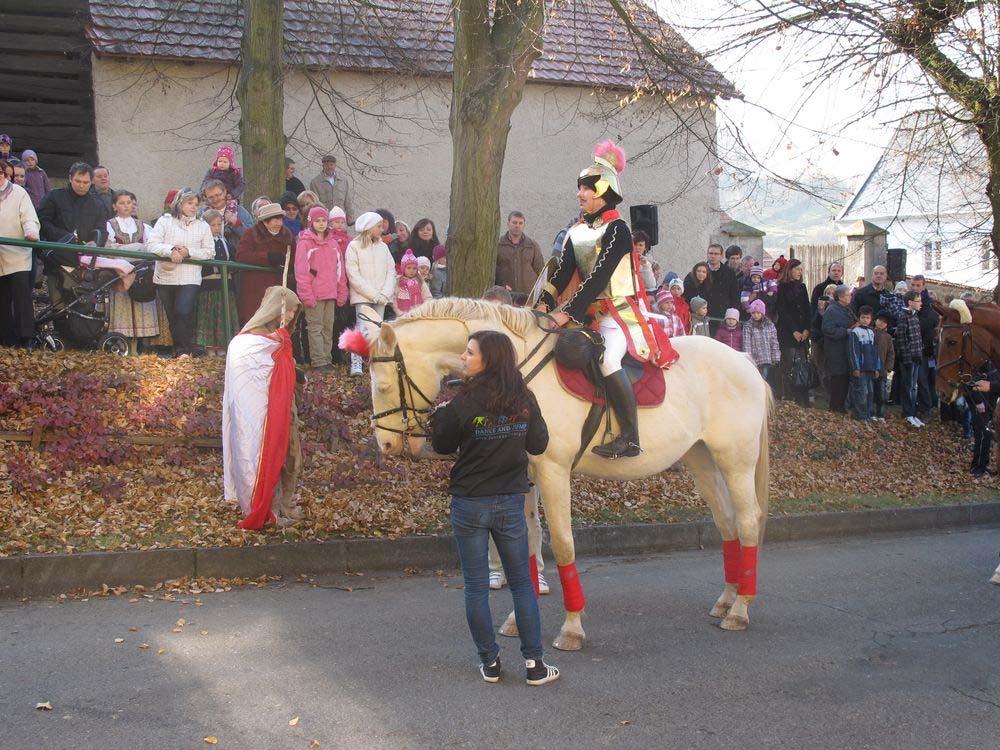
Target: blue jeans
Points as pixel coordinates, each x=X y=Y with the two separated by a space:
x=909 y=380
x=179 y=303
x=474 y=520
x=862 y=395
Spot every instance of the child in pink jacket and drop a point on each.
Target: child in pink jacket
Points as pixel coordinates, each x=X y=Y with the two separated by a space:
x=321 y=283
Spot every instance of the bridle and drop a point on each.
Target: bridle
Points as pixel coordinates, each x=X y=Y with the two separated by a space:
x=968 y=345
x=411 y=414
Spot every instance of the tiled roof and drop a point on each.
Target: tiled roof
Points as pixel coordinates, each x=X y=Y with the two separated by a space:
x=585 y=42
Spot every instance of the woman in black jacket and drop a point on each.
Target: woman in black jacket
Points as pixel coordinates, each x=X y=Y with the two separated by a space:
x=792 y=318
x=494 y=423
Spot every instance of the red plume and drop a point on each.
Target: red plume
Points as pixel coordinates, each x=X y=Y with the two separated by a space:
x=352 y=340
x=611 y=153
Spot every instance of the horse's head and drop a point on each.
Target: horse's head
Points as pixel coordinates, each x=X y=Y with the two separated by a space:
x=963 y=347
x=407 y=367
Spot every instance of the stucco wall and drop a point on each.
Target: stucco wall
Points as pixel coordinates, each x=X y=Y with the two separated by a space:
x=158 y=128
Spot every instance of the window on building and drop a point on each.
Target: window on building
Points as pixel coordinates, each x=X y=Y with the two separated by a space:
x=932 y=255
x=989 y=258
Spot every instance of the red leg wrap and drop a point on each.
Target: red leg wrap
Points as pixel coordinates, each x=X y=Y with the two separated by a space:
x=747 y=585
x=533 y=568
x=731 y=555
x=573 y=596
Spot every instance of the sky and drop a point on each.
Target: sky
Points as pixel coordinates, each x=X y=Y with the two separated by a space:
x=805 y=135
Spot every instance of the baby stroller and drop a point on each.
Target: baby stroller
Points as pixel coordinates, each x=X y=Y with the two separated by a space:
x=80 y=315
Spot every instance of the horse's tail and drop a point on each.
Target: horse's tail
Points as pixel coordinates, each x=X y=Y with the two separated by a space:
x=762 y=475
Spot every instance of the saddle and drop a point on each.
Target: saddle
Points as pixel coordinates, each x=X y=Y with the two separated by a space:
x=647 y=379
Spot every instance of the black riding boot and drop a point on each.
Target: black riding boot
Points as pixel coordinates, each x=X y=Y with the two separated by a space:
x=621 y=397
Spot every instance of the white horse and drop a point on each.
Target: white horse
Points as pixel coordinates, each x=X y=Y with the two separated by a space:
x=714 y=417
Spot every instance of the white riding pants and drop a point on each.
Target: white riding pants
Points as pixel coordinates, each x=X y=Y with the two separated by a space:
x=615 y=346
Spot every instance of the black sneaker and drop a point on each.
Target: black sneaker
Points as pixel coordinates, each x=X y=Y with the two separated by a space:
x=491 y=672
x=539 y=673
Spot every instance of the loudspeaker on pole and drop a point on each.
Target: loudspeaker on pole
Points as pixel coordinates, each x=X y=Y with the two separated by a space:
x=645 y=217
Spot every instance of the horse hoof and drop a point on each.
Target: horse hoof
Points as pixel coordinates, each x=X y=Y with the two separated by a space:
x=996 y=578
x=568 y=642
x=732 y=622
x=719 y=611
x=509 y=627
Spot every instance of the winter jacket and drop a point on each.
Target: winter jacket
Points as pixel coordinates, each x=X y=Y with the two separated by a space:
x=760 y=341
x=294 y=226
x=862 y=351
x=886 y=351
x=700 y=326
x=683 y=310
x=371 y=273
x=320 y=271
x=492 y=448
x=343 y=240
x=294 y=185
x=36 y=182
x=17 y=217
x=518 y=265
x=764 y=290
x=439 y=280
x=260 y=247
x=731 y=337
x=896 y=307
x=876 y=299
x=929 y=320
x=837 y=322
x=170 y=232
x=721 y=292
x=646 y=273
x=791 y=313
x=337 y=194
x=225 y=249
x=671 y=323
x=909 y=345
x=63 y=212
x=409 y=293
x=817 y=291
x=232 y=178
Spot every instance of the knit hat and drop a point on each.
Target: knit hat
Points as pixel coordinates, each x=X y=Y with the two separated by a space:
x=269 y=211
x=4 y=138
x=288 y=197
x=337 y=213
x=697 y=302
x=782 y=261
x=408 y=259
x=367 y=220
x=676 y=283
x=317 y=212
x=756 y=270
x=901 y=287
x=756 y=306
x=423 y=262
x=28 y=153
x=440 y=251
x=226 y=152
x=664 y=295
x=669 y=277
x=733 y=314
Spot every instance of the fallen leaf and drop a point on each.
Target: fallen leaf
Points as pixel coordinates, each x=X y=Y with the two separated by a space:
x=143 y=645
x=44 y=706
x=119 y=640
x=133 y=630
x=314 y=744
x=161 y=651
x=294 y=722
x=212 y=740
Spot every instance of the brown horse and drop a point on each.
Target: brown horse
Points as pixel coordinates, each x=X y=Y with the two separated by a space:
x=968 y=336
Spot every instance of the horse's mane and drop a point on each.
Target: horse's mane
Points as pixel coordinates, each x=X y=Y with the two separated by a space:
x=518 y=320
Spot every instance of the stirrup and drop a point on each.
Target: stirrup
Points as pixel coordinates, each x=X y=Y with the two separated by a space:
x=617 y=448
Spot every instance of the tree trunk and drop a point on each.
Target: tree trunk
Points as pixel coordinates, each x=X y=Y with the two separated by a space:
x=260 y=92
x=491 y=65
x=990 y=135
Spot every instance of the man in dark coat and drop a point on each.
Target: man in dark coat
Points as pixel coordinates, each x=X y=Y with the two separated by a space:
x=834 y=275
x=929 y=319
x=723 y=292
x=837 y=322
x=875 y=295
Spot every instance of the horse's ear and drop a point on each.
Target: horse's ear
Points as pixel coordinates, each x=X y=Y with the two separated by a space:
x=386 y=338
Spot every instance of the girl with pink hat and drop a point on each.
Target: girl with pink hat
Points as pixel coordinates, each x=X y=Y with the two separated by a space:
x=321 y=283
x=411 y=289
x=224 y=170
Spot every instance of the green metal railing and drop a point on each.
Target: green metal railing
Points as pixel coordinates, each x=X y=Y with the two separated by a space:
x=225 y=266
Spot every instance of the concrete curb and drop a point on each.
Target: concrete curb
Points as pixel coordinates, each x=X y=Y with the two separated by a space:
x=40 y=575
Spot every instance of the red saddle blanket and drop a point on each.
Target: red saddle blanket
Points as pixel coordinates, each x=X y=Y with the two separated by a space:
x=649 y=389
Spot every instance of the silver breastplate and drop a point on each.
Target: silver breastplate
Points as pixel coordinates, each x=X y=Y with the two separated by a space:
x=586 y=245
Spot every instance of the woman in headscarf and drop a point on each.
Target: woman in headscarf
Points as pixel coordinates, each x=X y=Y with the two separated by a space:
x=260 y=440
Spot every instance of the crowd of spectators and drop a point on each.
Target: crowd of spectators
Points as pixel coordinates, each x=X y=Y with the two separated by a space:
x=839 y=343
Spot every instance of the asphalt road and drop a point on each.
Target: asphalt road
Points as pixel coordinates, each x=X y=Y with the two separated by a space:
x=891 y=643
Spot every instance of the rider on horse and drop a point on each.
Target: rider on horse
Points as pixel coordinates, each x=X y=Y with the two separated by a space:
x=597 y=254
